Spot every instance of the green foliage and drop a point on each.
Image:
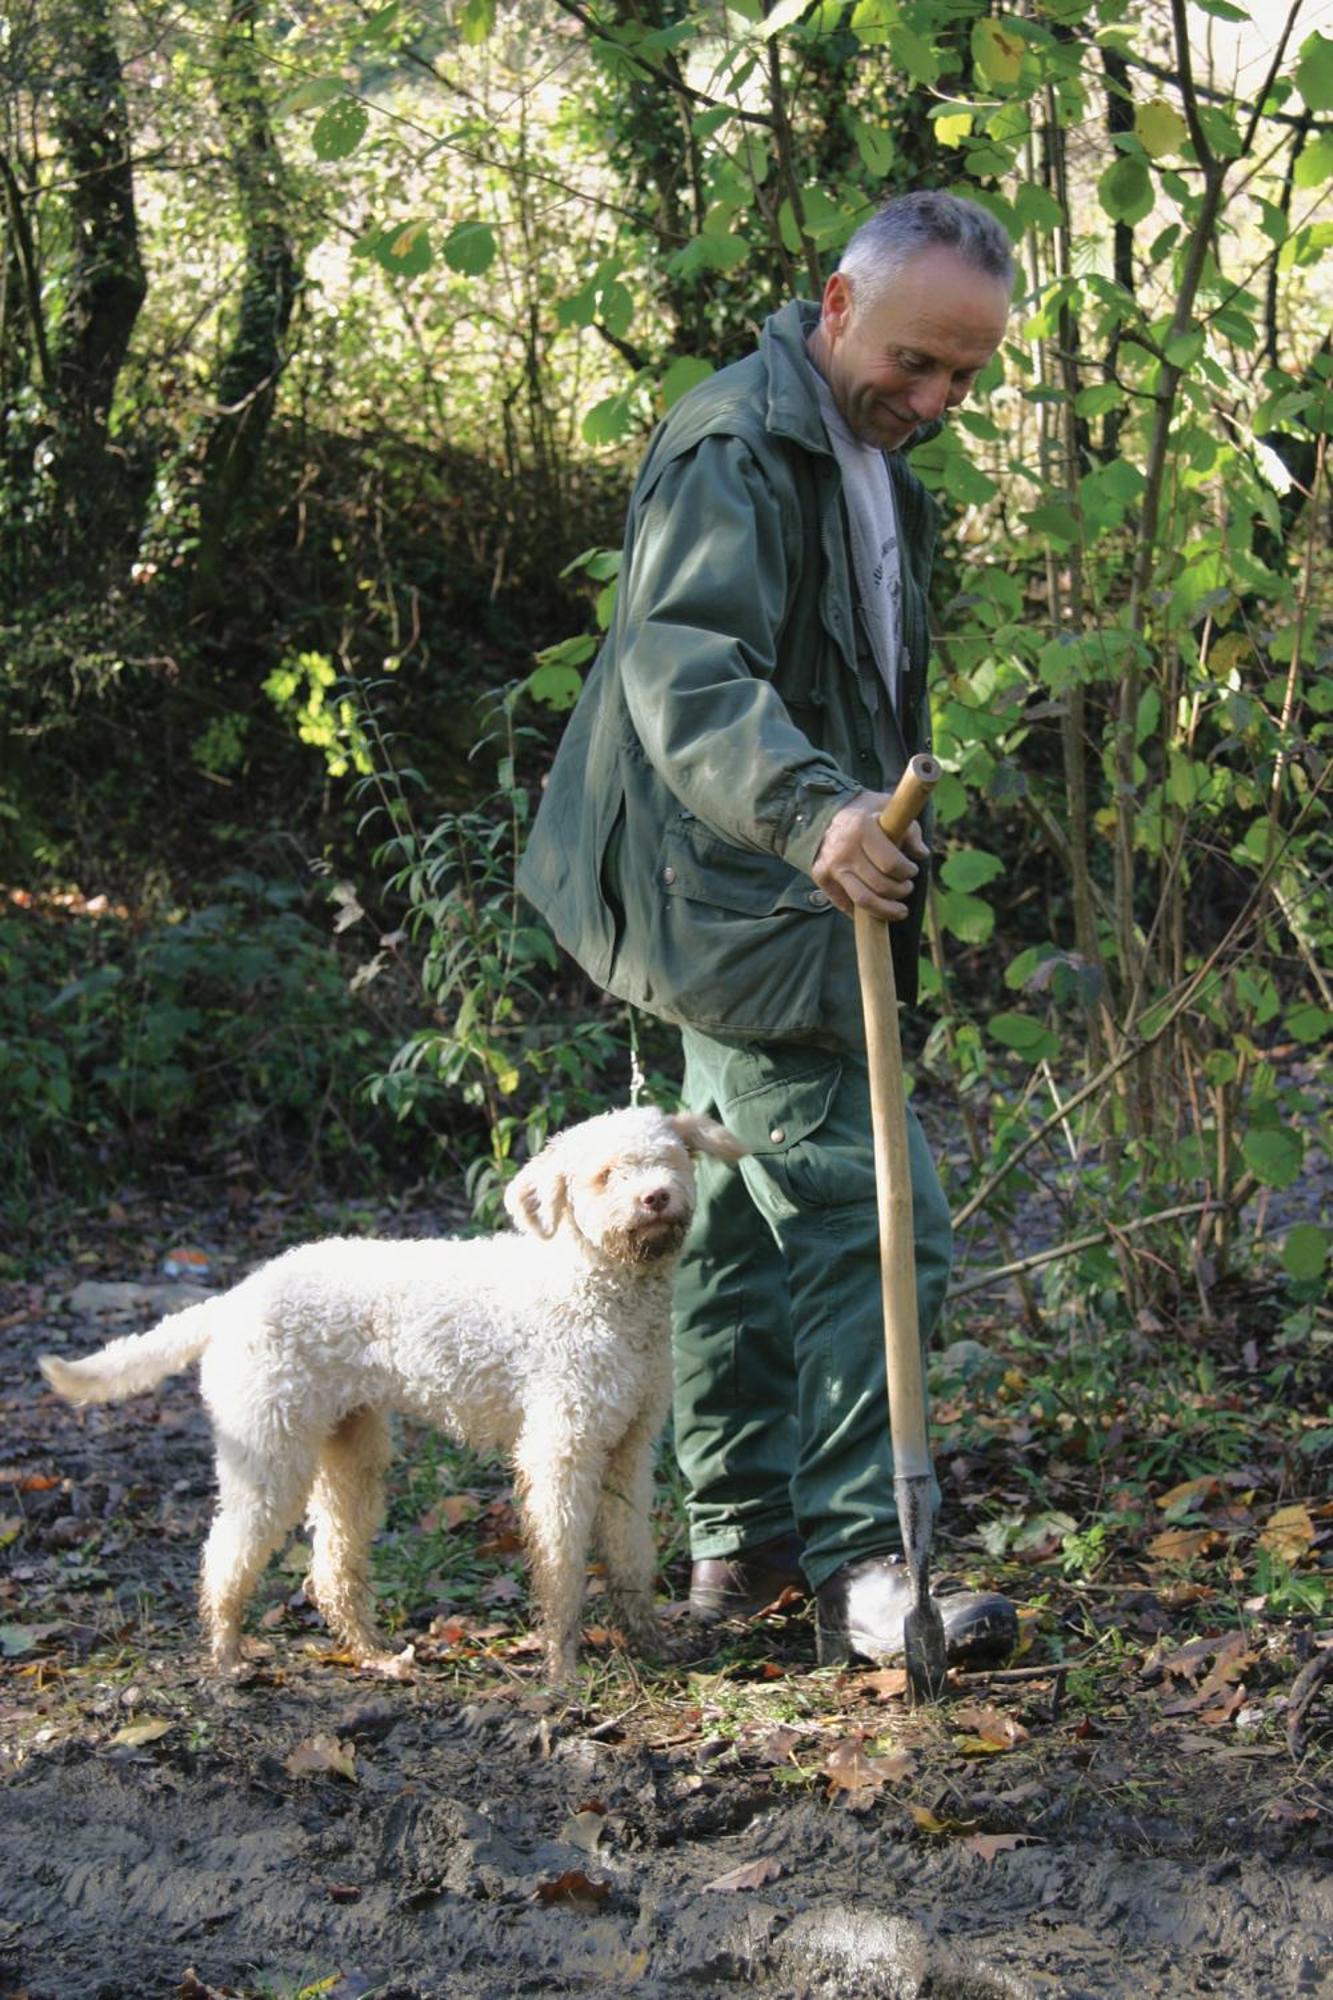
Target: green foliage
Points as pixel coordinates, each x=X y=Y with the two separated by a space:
x=222 y=1035
x=490 y=1039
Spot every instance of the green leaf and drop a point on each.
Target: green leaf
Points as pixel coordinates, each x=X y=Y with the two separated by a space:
x=914 y=54
x=476 y=21
x=404 y=249
x=784 y=15
x=608 y=420
x=1125 y=190
x=1159 y=129
x=1024 y=1035
x=686 y=372
x=966 y=917
x=1273 y=1157
x=1308 y=1022
x=340 y=130
x=557 y=685
x=1305 y=1251
x=307 y=96
x=875 y=146
x=997 y=51
x=470 y=248
x=1054 y=523
x=1314 y=72
x=1315 y=165
x=971 y=868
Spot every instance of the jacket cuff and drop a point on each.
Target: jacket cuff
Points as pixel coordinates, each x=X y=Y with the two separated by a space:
x=809 y=822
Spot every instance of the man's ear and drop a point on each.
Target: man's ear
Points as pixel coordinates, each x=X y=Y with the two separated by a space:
x=705 y=1135
x=835 y=310
x=535 y=1198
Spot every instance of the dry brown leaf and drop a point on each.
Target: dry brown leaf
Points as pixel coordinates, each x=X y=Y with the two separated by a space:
x=321 y=1756
x=585 y=1828
x=453 y=1511
x=1288 y=1534
x=1189 y=1491
x=853 y=1770
x=988 y=1845
x=777 y=1746
x=1183 y=1544
x=576 y=1889
x=750 y=1875
x=996 y=1730
x=135 y=1734
x=885 y=1684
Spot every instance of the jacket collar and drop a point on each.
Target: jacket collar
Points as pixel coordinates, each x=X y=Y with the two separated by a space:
x=793 y=402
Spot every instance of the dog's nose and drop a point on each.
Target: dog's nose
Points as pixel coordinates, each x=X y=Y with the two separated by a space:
x=656 y=1199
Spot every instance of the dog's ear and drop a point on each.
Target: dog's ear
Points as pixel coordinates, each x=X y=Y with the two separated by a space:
x=535 y=1198
x=705 y=1135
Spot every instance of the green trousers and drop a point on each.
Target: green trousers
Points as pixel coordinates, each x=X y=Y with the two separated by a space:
x=781 y=1414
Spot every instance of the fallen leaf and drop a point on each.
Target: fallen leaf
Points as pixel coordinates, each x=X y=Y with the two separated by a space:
x=321 y=1756
x=576 y=1888
x=344 y=1892
x=135 y=1734
x=886 y=1684
x=1187 y=1495
x=988 y=1845
x=585 y=1828
x=1288 y=1534
x=927 y=1822
x=503 y=1590
x=1183 y=1544
x=995 y=1730
x=450 y=1512
x=777 y=1746
x=750 y=1875
x=861 y=1776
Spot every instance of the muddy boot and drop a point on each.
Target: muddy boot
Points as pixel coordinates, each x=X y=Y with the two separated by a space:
x=738 y=1586
x=861 y=1609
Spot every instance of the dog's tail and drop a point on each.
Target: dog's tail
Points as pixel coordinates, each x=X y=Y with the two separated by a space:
x=136 y=1361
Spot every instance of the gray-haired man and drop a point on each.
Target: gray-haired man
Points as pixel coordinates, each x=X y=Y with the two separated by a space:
x=710 y=821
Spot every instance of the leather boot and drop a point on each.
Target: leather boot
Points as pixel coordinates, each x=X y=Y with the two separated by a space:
x=737 y=1586
x=862 y=1607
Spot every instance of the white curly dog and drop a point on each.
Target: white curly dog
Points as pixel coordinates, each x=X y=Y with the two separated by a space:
x=551 y=1345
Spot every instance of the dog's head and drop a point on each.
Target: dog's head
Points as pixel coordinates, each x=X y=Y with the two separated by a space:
x=622 y=1183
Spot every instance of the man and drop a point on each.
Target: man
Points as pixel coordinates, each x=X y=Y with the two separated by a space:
x=710 y=821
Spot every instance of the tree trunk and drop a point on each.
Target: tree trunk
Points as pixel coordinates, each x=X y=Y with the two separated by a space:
x=247 y=381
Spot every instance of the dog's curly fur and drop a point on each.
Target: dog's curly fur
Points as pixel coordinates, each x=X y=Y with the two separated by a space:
x=552 y=1345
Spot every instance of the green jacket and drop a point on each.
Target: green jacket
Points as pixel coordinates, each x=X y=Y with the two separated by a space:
x=734 y=707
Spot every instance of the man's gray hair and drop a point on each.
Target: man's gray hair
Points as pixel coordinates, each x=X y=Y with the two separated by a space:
x=924 y=220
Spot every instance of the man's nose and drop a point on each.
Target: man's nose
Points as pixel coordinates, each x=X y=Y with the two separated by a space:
x=930 y=399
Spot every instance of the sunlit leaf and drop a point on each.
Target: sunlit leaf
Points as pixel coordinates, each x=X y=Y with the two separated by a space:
x=1159 y=129
x=1125 y=190
x=686 y=372
x=1314 y=72
x=340 y=130
x=997 y=51
x=470 y=248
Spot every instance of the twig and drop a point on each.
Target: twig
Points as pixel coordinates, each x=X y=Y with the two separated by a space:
x=1304 y=1689
x=1080 y=1243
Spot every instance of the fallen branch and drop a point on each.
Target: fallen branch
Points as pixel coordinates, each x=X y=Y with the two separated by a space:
x=1304 y=1690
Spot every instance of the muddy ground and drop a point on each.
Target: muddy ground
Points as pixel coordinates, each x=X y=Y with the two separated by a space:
x=1139 y=1806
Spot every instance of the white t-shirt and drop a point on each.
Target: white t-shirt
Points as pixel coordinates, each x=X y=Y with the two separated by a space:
x=874 y=524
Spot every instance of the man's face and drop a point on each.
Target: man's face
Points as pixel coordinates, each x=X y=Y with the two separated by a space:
x=903 y=361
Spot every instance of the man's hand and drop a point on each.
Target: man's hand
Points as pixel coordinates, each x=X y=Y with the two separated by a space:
x=857 y=863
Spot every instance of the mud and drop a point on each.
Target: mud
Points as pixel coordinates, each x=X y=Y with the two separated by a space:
x=467 y=1834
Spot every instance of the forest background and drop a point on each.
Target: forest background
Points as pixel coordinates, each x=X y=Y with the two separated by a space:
x=329 y=338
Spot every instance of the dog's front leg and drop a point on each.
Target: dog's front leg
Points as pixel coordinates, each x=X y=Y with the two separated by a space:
x=557 y=1479
x=624 y=1532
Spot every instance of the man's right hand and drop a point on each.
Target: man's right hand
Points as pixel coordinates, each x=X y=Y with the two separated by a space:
x=858 y=865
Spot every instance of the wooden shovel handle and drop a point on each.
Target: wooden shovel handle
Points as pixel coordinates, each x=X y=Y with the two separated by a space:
x=893 y=1173
x=910 y=795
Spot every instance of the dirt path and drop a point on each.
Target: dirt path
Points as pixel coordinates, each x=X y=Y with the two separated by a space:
x=1123 y=1818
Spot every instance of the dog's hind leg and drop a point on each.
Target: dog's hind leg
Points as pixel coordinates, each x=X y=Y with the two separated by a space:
x=624 y=1531
x=345 y=1510
x=258 y=1501
x=558 y=1491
